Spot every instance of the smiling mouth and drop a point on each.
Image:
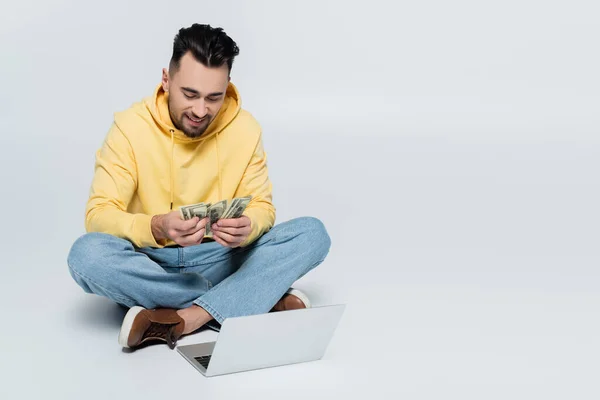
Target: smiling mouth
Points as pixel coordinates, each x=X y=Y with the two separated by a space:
x=195 y=120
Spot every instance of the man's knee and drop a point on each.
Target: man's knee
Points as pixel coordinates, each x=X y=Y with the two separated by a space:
x=92 y=258
x=89 y=250
x=312 y=237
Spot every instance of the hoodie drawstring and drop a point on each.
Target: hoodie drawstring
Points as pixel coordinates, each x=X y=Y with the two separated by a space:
x=171 y=167
x=219 y=166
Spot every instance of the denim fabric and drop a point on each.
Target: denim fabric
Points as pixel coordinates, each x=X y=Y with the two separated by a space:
x=225 y=282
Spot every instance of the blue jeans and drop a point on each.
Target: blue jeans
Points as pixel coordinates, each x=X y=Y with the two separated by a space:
x=225 y=282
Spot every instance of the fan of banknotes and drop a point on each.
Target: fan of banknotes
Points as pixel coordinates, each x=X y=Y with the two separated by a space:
x=224 y=209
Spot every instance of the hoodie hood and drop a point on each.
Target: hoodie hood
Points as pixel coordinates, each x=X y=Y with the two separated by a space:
x=158 y=106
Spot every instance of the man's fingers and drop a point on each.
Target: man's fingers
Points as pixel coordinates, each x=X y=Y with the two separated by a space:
x=231 y=231
x=226 y=240
x=185 y=226
x=234 y=222
x=225 y=237
x=193 y=239
x=191 y=231
x=200 y=223
x=220 y=241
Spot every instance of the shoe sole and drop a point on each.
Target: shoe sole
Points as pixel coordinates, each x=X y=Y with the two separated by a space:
x=301 y=296
x=127 y=324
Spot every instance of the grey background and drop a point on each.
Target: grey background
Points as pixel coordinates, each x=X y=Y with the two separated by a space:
x=451 y=148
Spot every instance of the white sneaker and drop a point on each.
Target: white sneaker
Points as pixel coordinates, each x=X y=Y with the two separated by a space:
x=293 y=299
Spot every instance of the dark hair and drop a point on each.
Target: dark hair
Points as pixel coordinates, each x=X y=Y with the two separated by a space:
x=210 y=46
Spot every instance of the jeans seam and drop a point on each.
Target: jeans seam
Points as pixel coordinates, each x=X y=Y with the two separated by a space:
x=115 y=295
x=216 y=315
x=255 y=243
x=203 y=262
x=233 y=252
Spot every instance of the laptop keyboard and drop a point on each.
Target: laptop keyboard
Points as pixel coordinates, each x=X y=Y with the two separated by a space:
x=203 y=360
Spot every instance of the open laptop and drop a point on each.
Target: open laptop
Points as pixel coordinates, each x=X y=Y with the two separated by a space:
x=266 y=340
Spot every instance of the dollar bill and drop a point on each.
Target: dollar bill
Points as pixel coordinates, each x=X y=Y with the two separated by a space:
x=214 y=213
x=220 y=210
x=236 y=207
x=199 y=210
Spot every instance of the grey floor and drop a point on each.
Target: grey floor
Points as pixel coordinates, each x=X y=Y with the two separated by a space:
x=469 y=270
x=451 y=148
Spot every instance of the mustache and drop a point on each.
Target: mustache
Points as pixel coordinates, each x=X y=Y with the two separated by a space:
x=197 y=117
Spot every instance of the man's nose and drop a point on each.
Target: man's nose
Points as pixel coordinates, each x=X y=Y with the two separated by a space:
x=199 y=109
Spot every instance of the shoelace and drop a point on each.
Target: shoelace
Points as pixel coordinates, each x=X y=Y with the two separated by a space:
x=162 y=331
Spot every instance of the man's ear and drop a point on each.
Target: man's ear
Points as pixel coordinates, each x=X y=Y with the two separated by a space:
x=165 y=80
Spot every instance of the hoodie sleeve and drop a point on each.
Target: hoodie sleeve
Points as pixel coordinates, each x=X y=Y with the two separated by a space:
x=256 y=182
x=113 y=186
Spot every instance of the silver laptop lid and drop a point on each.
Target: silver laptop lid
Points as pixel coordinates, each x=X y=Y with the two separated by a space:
x=278 y=338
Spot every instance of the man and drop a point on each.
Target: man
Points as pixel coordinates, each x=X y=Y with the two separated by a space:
x=189 y=142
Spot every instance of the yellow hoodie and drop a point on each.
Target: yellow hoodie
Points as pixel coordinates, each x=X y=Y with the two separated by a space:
x=146 y=167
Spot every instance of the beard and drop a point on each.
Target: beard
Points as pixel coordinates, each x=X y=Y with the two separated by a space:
x=190 y=129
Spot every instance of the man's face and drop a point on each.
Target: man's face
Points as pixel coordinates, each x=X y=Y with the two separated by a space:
x=196 y=93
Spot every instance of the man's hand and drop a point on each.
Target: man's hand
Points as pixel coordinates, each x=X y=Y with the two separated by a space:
x=231 y=232
x=172 y=226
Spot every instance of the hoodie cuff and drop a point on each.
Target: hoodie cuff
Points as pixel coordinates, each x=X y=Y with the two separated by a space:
x=141 y=234
x=255 y=225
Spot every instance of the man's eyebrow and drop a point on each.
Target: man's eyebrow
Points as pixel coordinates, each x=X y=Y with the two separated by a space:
x=187 y=89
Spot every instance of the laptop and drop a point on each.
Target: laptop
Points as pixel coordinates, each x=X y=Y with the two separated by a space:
x=266 y=340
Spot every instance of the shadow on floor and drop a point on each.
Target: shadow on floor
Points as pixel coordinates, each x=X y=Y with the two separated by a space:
x=98 y=313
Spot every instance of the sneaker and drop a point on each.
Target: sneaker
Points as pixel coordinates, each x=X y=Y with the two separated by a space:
x=141 y=325
x=293 y=299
